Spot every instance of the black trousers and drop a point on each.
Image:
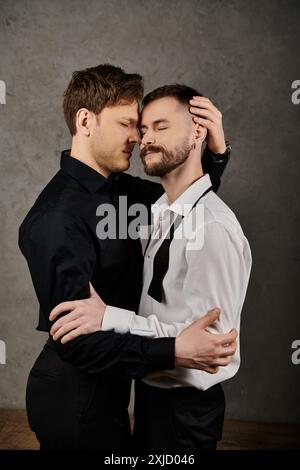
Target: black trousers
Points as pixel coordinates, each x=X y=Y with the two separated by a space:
x=177 y=419
x=69 y=409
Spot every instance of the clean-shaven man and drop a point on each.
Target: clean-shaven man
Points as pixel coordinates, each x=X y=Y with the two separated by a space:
x=197 y=258
x=78 y=392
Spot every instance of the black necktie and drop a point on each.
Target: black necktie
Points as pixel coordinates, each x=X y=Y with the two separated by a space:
x=161 y=258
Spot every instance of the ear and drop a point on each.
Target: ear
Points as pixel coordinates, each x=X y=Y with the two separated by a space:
x=200 y=134
x=84 y=121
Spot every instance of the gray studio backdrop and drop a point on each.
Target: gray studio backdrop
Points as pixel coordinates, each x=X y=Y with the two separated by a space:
x=245 y=56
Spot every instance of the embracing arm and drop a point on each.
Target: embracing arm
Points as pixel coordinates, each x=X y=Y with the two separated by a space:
x=217 y=275
x=61 y=260
x=194 y=347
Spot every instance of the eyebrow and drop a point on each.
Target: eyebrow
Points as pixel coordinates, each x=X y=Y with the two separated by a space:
x=158 y=121
x=131 y=120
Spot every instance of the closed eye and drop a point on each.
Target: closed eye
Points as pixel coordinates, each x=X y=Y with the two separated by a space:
x=158 y=129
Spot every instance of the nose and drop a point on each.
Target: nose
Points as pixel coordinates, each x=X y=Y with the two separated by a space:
x=135 y=138
x=147 y=139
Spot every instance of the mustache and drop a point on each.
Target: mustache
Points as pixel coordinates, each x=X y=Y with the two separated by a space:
x=150 y=148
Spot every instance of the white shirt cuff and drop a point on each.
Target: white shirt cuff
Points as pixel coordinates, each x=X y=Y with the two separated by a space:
x=117 y=319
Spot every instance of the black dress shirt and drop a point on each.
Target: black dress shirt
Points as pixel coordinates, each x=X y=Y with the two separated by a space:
x=58 y=239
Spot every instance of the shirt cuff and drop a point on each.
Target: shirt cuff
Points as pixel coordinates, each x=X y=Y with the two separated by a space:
x=117 y=319
x=218 y=157
x=161 y=354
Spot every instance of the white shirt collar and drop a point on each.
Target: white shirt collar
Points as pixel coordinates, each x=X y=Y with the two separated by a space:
x=184 y=203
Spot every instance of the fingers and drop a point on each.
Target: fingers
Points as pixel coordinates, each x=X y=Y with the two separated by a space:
x=72 y=335
x=202 y=103
x=211 y=369
x=62 y=307
x=66 y=329
x=223 y=362
x=204 y=113
x=202 y=100
x=228 y=338
x=229 y=350
x=217 y=363
x=63 y=321
x=210 y=317
x=203 y=122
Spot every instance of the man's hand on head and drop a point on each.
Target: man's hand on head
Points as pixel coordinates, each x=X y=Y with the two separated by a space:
x=207 y=115
x=85 y=316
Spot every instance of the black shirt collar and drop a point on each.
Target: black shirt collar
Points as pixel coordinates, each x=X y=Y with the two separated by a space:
x=84 y=174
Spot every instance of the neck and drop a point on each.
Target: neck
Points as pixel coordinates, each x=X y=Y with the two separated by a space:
x=179 y=180
x=82 y=153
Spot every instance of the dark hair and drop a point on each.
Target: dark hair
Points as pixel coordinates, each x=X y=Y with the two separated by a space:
x=182 y=93
x=95 y=88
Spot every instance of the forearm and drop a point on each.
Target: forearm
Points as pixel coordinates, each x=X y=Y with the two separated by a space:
x=214 y=166
x=124 y=321
x=58 y=278
x=118 y=355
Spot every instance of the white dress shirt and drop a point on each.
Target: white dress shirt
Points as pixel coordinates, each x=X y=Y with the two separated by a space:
x=209 y=266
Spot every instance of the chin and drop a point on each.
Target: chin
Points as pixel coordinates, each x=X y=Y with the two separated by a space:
x=156 y=170
x=125 y=165
x=150 y=170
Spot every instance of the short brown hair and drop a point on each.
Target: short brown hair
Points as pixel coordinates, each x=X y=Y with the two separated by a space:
x=95 y=88
x=181 y=93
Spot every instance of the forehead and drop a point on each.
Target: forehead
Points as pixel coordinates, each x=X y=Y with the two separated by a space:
x=164 y=108
x=123 y=110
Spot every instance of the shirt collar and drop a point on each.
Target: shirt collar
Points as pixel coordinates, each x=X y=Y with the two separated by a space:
x=84 y=174
x=184 y=203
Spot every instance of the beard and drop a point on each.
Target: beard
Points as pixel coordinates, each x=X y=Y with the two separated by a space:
x=170 y=159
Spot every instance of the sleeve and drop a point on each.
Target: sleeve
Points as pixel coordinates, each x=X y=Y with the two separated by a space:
x=214 y=165
x=61 y=259
x=123 y=321
x=218 y=276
